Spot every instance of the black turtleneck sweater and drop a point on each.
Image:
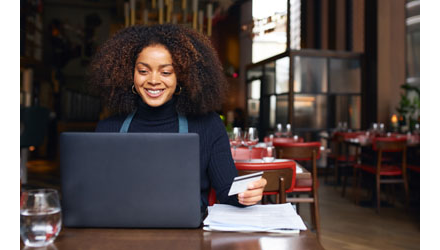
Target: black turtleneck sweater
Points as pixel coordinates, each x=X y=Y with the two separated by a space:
x=217 y=167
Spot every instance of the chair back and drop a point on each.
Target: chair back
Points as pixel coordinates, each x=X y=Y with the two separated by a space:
x=305 y=151
x=243 y=153
x=389 y=144
x=212 y=197
x=300 y=151
x=280 y=176
x=338 y=146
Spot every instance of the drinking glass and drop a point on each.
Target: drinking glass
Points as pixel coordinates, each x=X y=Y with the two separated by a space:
x=339 y=127
x=344 y=127
x=250 y=139
x=288 y=132
x=417 y=129
x=235 y=138
x=40 y=217
x=269 y=154
x=381 y=129
x=270 y=142
x=279 y=130
x=374 y=128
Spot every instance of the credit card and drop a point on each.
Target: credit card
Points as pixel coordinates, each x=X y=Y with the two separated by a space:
x=241 y=182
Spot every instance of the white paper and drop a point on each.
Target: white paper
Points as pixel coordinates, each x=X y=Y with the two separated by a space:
x=257 y=218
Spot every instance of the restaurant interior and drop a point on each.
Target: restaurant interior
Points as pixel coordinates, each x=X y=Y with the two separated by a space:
x=343 y=74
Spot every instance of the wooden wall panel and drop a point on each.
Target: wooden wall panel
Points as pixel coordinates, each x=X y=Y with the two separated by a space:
x=358 y=25
x=324 y=24
x=341 y=25
x=390 y=57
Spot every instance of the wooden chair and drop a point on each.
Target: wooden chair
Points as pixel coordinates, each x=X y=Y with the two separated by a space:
x=280 y=176
x=341 y=156
x=305 y=151
x=386 y=173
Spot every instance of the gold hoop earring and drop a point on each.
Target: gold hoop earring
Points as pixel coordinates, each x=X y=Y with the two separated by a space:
x=178 y=92
x=133 y=90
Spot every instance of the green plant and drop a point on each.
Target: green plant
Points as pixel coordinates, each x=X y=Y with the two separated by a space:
x=409 y=106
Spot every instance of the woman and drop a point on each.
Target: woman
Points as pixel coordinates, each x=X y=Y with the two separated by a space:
x=153 y=76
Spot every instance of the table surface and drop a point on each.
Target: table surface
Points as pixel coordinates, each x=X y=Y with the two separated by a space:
x=194 y=239
x=368 y=143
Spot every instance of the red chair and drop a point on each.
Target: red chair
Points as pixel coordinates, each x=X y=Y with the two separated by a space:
x=306 y=152
x=240 y=153
x=280 y=176
x=415 y=168
x=212 y=198
x=386 y=173
x=243 y=153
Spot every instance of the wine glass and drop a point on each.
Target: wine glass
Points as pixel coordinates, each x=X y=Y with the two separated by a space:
x=40 y=217
x=381 y=129
x=235 y=138
x=288 y=132
x=269 y=154
x=270 y=141
x=344 y=127
x=250 y=139
x=374 y=128
x=279 y=130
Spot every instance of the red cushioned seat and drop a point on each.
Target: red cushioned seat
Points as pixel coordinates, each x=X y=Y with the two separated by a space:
x=414 y=168
x=386 y=170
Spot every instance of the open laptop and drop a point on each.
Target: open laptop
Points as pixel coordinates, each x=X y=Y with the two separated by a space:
x=130 y=180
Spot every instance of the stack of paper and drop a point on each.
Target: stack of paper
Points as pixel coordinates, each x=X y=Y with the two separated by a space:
x=280 y=218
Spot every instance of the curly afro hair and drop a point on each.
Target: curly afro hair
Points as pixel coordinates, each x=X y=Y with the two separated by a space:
x=198 y=69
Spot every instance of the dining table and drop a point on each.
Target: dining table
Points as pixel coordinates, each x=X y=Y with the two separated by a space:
x=182 y=239
x=364 y=143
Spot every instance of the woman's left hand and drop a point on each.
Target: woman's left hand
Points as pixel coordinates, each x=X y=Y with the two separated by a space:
x=253 y=194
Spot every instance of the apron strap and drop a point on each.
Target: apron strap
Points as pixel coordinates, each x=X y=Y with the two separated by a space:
x=127 y=122
x=183 y=123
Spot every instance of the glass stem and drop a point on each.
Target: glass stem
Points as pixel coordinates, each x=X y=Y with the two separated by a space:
x=250 y=153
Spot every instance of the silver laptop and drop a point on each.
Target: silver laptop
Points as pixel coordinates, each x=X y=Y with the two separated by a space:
x=130 y=180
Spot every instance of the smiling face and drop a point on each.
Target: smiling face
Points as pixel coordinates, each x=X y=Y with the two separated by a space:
x=154 y=77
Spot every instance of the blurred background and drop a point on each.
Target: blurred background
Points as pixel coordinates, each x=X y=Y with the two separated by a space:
x=309 y=63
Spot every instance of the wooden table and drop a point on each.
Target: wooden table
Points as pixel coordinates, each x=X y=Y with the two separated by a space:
x=191 y=239
x=303 y=177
